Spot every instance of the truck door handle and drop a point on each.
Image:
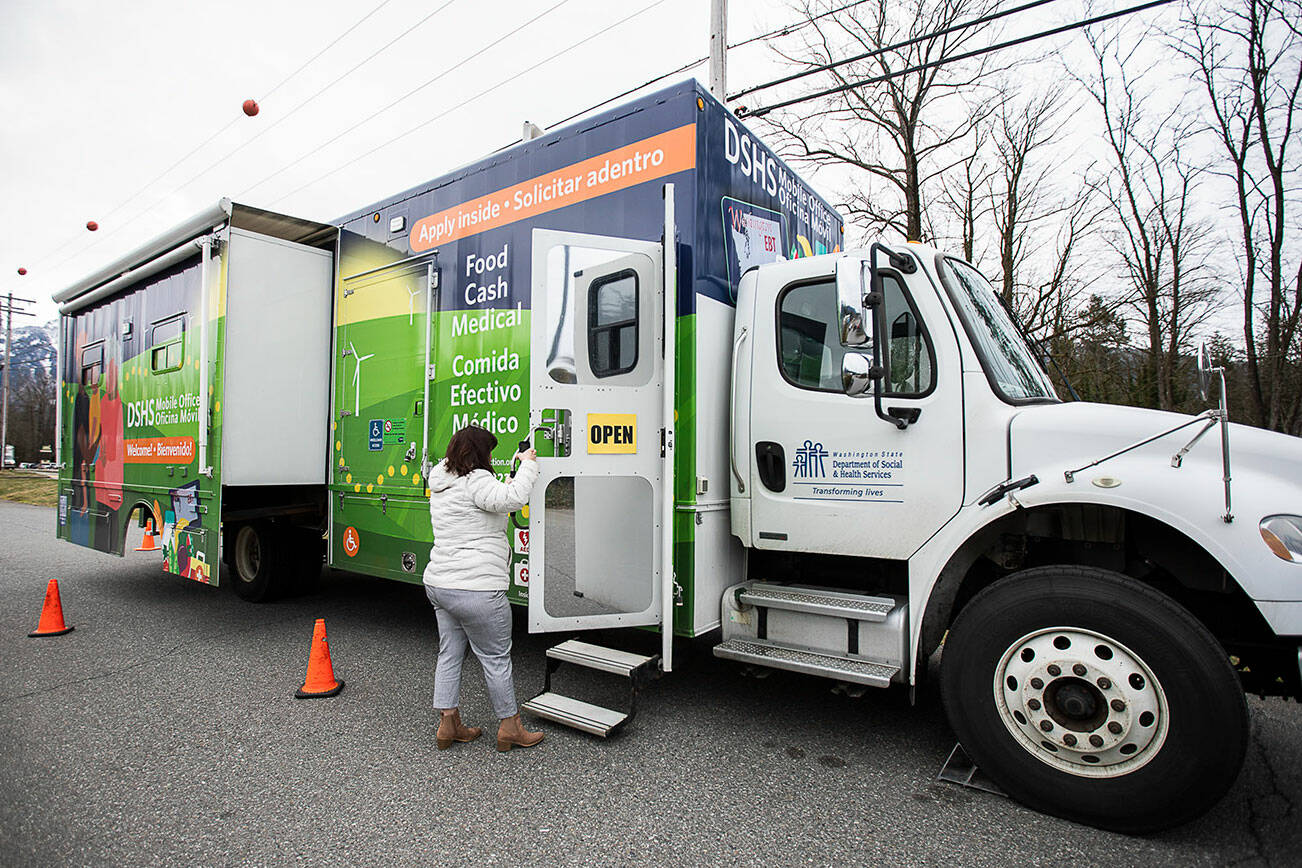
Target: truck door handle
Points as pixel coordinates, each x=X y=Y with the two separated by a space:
x=772 y=465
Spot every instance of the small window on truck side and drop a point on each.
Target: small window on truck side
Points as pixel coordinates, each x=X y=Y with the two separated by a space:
x=612 y=324
x=167 y=345
x=92 y=364
x=809 y=343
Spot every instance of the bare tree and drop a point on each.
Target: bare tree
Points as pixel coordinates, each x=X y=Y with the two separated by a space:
x=1150 y=190
x=964 y=196
x=901 y=132
x=1248 y=56
x=1040 y=219
x=32 y=414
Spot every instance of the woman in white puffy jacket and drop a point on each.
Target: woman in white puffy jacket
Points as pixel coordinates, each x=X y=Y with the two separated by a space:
x=466 y=581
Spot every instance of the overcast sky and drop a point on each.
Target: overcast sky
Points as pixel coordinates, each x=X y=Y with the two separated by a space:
x=99 y=99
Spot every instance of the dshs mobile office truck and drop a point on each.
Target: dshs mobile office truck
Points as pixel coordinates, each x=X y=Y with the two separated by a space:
x=829 y=461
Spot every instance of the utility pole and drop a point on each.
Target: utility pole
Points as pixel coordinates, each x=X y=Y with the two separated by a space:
x=719 y=48
x=9 y=311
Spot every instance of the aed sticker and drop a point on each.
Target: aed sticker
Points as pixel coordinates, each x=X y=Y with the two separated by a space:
x=520 y=537
x=521 y=570
x=352 y=542
x=612 y=433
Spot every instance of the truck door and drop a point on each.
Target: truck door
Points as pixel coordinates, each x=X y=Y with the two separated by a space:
x=596 y=381
x=826 y=474
x=379 y=515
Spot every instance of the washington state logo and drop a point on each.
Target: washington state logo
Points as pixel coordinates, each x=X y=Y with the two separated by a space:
x=809 y=460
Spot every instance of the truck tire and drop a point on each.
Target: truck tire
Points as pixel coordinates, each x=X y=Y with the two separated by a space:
x=1089 y=696
x=257 y=560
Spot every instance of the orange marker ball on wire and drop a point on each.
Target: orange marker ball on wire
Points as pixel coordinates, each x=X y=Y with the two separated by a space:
x=251 y=107
x=92 y=225
x=21 y=270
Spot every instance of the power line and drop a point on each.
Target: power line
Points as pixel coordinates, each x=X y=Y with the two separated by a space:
x=304 y=103
x=759 y=112
x=274 y=124
x=618 y=96
x=471 y=99
x=781 y=31
x=332 y=44
x=450 y=69
x=795 y=25
x=985 y=19
x=232 y=122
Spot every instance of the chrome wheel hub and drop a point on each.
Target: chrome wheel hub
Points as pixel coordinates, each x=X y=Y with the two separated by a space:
x=1081 y=702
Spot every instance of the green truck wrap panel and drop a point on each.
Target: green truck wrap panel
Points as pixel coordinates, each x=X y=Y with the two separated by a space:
x=130 y=387
x=449 y=263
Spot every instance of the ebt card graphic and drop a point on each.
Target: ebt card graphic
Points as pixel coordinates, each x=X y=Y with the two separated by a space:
x=752 y=236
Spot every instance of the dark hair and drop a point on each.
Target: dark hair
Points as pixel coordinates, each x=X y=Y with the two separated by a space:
x=470 y=449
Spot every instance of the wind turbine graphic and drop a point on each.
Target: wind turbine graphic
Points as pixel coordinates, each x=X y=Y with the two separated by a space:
x=357 y=378
x=411 y=304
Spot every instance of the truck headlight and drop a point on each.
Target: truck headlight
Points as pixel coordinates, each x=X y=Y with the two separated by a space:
x=1283 y=534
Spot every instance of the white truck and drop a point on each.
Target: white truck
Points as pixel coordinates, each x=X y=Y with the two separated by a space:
x=830 y=462
x=895 y=445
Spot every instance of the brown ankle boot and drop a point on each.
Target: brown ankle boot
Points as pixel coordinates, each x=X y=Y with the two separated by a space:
x=511 y=733
x=451 y=729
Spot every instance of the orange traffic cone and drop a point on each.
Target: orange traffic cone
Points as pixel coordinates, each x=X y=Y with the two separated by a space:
x=51 y=623
x=147 y=544
x=320 y=679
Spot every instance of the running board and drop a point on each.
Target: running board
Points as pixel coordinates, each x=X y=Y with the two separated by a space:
x=584 y=716
x=807 y=662
x=816 y=601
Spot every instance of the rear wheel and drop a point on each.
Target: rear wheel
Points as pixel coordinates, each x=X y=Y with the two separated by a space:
x=257 y=562
x=1086 y=695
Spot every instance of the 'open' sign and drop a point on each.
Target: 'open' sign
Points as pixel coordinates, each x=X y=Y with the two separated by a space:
x=612 y=433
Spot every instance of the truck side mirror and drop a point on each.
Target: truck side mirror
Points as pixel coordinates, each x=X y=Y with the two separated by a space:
x=1204 y=370
x=849 y=302
x=856 y=374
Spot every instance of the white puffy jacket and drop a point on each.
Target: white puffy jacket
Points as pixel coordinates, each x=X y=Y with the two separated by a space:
x=468 y=513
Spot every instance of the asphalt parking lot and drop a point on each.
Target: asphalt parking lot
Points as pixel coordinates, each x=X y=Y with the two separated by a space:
x=162 y=730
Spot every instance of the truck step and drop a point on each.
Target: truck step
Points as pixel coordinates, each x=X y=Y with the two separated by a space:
x=818 y=602
x=808 y=662
x=575 y=713
x=598 y=657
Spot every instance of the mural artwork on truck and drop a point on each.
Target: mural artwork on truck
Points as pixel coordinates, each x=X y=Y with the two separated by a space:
x=130 y=386
x=447 y=269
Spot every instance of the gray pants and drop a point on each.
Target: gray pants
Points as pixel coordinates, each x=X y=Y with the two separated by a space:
x=481 y=619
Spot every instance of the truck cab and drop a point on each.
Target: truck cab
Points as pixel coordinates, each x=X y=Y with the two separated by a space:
x=904 y=476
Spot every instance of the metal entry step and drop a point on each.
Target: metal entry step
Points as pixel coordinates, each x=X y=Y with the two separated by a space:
x=585 y=716
x=817 y=601
x=808 y=662
x=610 y=660
x=575 y=713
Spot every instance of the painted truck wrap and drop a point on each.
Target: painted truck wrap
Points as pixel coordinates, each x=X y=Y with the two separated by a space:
x=167 y=419
x=448 y=268
x=130 y=387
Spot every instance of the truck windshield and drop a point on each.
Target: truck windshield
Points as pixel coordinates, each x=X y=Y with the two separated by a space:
x=1009 y=363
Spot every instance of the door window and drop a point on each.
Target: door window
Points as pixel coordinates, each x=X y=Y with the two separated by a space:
x=612 y=324
x=809 y=343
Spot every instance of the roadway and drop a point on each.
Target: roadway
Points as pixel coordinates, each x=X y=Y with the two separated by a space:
x=162 y=730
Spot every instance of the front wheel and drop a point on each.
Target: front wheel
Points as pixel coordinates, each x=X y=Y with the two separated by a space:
x=1086 y=695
